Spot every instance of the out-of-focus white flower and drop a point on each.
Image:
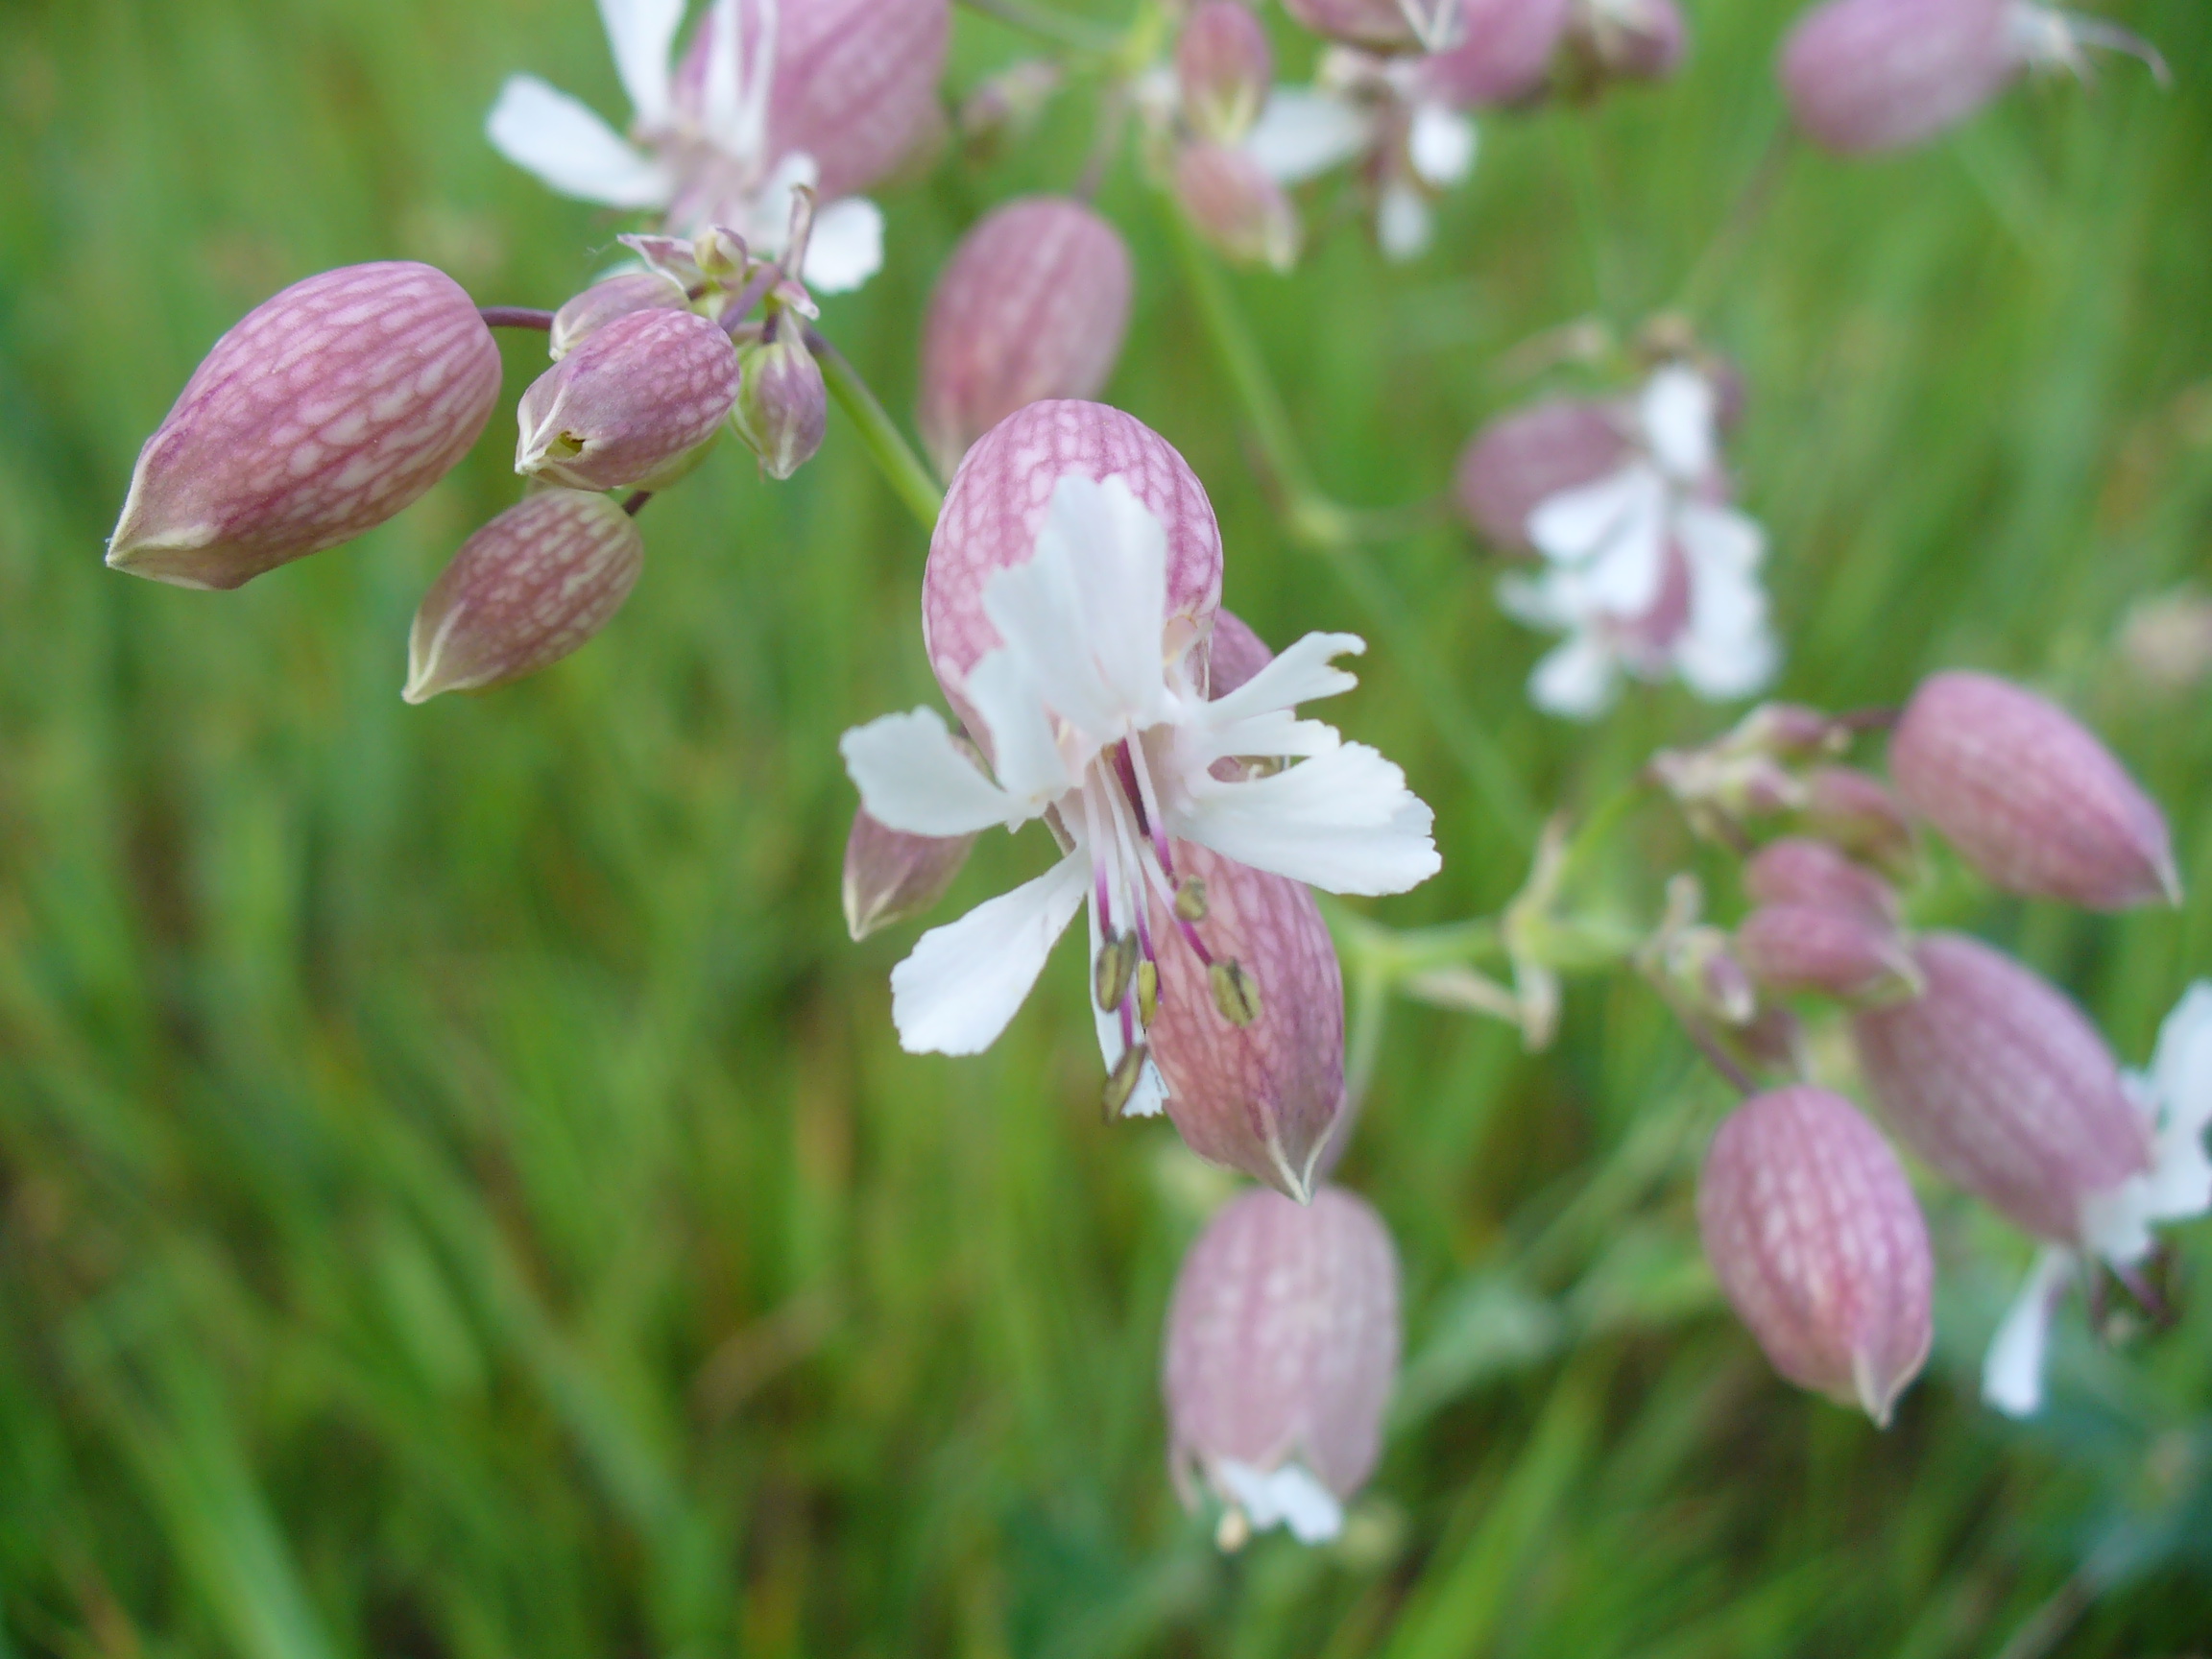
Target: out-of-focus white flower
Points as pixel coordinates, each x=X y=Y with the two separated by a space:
x=1648 y=571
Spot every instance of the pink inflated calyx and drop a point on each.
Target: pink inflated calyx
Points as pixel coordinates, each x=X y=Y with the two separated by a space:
x=599 y=304
x=630 y=405
x=1800 y=870
x=1997 y=1079
x=782 y=406
x=1864 y=75
x=1520 y=459
x=1843 y=953
x=1857 y=812
x=1814 y=1233
x=1282 y=1351
x=325 y=411
x=1502 y=53
x=996 y=505
x=1233 y=202
x=891 y=876
x=2029 y=796
x=524 y=591
x=1033 y=304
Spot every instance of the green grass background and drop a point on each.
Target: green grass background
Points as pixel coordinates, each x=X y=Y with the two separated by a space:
x=460 y=1193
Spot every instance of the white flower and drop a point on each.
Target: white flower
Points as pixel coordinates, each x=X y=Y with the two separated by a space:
x=1648 y=573
x=1094 y=724
x=2176 y=1099
x=701 y=154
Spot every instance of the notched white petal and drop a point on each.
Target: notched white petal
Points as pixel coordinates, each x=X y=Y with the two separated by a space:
x=965 y=981
x=1343 y=822
x=912 y=777
x=1302 y=132
x=2012 y=1373
x=642 y=35
x=556 y=138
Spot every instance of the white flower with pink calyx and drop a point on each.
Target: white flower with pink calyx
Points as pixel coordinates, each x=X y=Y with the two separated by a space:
x=1076 y=652
x=769 y=98
x=1648 y=570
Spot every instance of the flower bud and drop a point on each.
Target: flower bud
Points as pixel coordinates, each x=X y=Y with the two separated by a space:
x=1009 y=103
x=1858 y=814
x=325 y=411
x=1251 y=1046
x=1522 y=459
x=1995 y=1077
x=1627 y=39
x=1281 y=1350
x=996 y=504
x=1503 y=55
x=1814 y=1233
x=782 y=405
x=2029 y=796
x=629 y=406
x=603 y=301
x=1032 y=304
x=891 y=877
x=1224 y=68
x=1234 y=203
x=1371 y=23
x=1842 y=953
x=1866 y=75
x=1798 y=869
x=523 y=592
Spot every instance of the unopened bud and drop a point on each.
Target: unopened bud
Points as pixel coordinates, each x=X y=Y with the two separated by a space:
x=1032 y=304
x=1995 y=1077
x=1225 y=69
x=1814 y=1233
x=2029 y=796
x=1235 y=993
x=1524 y=458
x=782 y=406
x=891 y=876
x=1859 y=814
x=1841 y=953
x=325 y=411
x=603 y=301
x=631 y=407
x=1282 y=1351
x=1798 y=870
x=1234 y=203
x=524 y=591
x=1113 y=971
x=720 y=253
x=1503 y=55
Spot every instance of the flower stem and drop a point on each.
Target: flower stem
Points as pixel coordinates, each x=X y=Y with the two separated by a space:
x=1047 y=24
x=516 y=317
x=894 y=457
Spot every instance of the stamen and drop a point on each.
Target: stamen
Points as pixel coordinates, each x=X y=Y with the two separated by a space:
x=1147 y=991
x=1122 y=1083
x=1190 y=900
x=1110 y=974
x=1134 y=748
x=1236 y=992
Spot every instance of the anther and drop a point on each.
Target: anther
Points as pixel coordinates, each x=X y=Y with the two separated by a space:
x=1236 y=992
x=1109 y=974
x=1190 y=900
x=1147 y=991
x=1121 y=1082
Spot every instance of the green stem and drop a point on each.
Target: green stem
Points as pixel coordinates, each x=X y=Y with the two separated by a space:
x=903 y=469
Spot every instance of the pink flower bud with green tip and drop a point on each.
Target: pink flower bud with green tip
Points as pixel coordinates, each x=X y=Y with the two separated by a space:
x=599 y=304
x=892 y=878
x=524 y=591
x=325 y=411
x=629 y=406
x=1503 y=55
x=1859 y=815
x=1868 y=74
x=1798 y=870
x=1811 y=947
x=1522 y=458
x=2029 y=796
x=1814 y=1233
x=1282 y=1351
x=1233 y=202
x=782 y=405
x=1033 y=304
x=1225 y=69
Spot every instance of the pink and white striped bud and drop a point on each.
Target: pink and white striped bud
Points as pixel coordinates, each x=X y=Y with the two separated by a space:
x=892 y=876
x=1846 y=954
x=1798 y=869
x=783 y=407
x=1032 y=304
x=2029 y=796
x=1258 y=1084
x=996 y=505
x=629 y=406
x=1995 y=1077
x=1282 y=1351
x=524 y=591
x=1225 y=69
x=1857 y=814
x=1236 y=205
x=1523 y=458
x=327 y=410
x=1818 y=1243
x=1503 y=55
x=599 y=304
x=1627 y=39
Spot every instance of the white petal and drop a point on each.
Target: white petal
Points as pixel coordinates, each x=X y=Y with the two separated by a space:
x=540 y=128
x=912 y=777
x=1677 y=408
x=2182 y=1065
x=642 y=34
x=847 y=246
x=1299 y=674
x=1727 y=650
x=964 y=981
x=721 y=97
x=1719 y=537
x=1029 y=764
x=1541 y=602
x=1302 y=132
x=1343 y=822
x=1577 y=679
x=1288 y=1495
x=2012 y=1373
x=1612 y=531
x=1402 y=222
x=1440 y=143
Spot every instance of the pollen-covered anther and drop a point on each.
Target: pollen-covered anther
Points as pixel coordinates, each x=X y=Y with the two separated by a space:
x=1236 y=992
x=1147 y=991
x=1190 y=900
x=1121 y=1082
x=1114 y=970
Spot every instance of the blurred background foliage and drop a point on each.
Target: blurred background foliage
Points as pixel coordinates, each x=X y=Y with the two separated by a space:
x=459 y=1189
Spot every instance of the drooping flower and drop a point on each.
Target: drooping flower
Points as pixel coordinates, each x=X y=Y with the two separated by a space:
x=1282 y=1351
x=1649 y=571
x=772 y=95
x=1067 y=608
